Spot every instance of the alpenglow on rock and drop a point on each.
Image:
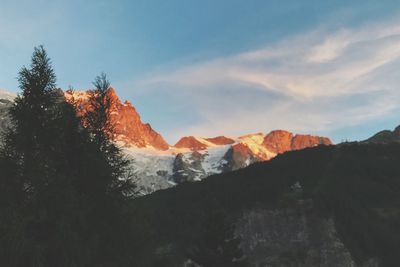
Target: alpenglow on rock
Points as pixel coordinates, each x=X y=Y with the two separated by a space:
x=157 y=165
x=195 y=158
x=129 y=128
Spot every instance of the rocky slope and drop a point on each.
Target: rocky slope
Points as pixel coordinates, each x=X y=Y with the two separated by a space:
x=291 y=237
x=204 y=157
x=157 y=165
x=194 y=158
x=385 y=137
x=129 y=128
x=302 y=208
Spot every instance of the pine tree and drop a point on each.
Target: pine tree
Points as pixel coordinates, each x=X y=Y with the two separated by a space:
x=112 y=185
x=31 y=117
x=62 y=192
x=101 y=128
x=27 y=156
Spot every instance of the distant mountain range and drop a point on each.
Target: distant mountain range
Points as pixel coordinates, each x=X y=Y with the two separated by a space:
x=158 y=165
x=316 y=205
x=323 y=206
x=385 y=137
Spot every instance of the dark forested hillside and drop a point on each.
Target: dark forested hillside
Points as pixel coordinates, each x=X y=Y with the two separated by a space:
x=357 y=185
x=67 y=197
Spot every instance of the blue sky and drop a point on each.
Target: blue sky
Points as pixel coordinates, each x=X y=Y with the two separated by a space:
x=228 y=67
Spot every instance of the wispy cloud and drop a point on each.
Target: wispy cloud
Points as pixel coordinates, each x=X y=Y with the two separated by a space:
x=315 y=82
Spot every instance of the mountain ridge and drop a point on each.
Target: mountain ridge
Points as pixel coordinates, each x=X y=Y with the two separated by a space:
x=320 y=206
x=385 y=137
x=129 y=128
x=158 y=165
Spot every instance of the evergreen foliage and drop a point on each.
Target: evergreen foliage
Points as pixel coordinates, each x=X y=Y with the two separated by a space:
x=100 y=126
x=66 y=194
x=357 y=185
x=62 y=195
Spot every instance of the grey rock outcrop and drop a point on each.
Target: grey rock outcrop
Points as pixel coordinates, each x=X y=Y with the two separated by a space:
x=293 y=238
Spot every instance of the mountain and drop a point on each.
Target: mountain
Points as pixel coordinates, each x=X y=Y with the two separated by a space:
x=157 y=165
x=282 y=141
x=129 y=128
x=323 y=206
x=197 y=143
x=206 y=156
x=193 y=143
x=221 y=140
x=385 y=137
x=195 y=158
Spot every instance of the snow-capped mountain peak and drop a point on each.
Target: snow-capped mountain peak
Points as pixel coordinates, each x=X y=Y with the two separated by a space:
x=255 y=143
x=156 y=165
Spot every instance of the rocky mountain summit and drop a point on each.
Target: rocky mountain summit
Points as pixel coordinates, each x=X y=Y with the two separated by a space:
x=158 y=165
x=203 y=157
x=129 y=128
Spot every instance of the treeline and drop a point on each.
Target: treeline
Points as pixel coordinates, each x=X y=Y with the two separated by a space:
x=63 y=187
x=66 y=189
x=357 y=185
x=66 y=192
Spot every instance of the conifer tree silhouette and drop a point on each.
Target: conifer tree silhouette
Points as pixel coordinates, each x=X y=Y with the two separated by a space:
x=66 y=191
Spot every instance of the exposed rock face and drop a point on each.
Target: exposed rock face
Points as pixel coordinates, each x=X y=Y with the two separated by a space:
x=188 y=168
x=293 y=237
x=129 y=129
x=303 y=141
x=191 y=143
x=259 y=147
x=278 y=141
x=281 y=141
x=221 y=140
x=156 y=165
x=202 y=157
x=385 y=137
x=255 y=142
x=238 y=156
